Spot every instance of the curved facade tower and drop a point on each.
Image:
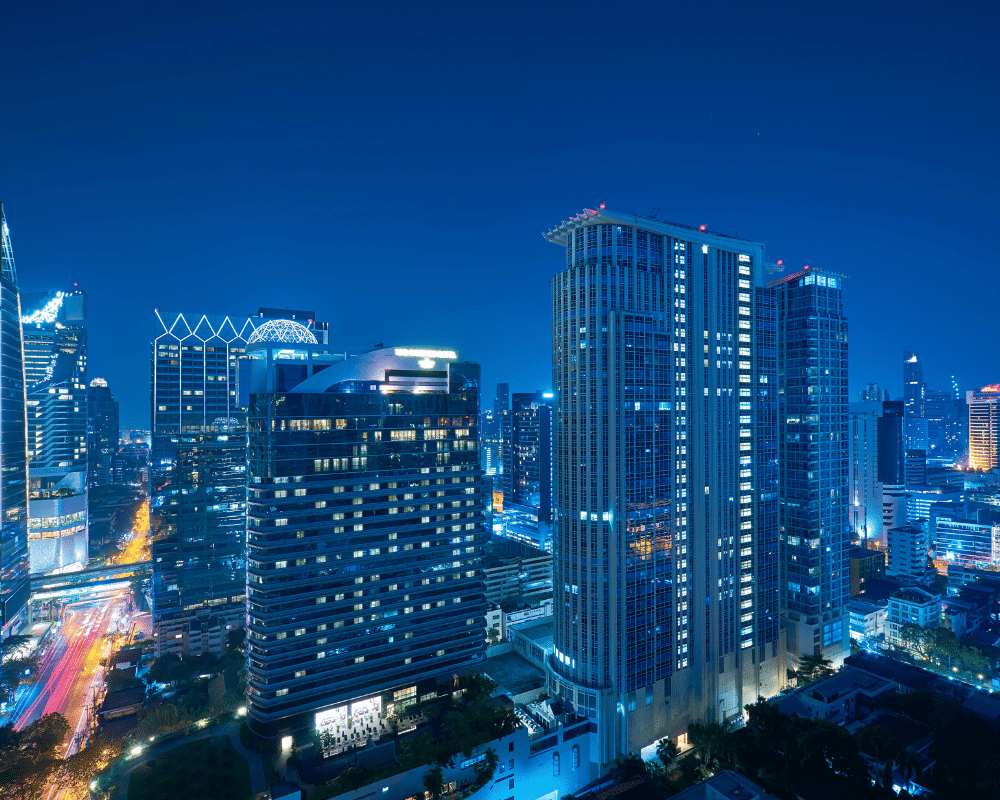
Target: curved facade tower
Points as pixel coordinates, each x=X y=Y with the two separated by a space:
x=665 y=572
x=15 y=585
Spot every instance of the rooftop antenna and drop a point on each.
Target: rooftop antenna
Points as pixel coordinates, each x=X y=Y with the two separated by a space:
x=654 y=212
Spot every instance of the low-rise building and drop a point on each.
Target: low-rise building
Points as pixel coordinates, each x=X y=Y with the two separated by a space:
x=868 y=620
x=912 y=604
x=907 y=548
x=865 y=565
x=840 y=698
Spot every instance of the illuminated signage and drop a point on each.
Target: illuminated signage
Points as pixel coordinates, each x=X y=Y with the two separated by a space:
x=46 y=313
x=419 y=353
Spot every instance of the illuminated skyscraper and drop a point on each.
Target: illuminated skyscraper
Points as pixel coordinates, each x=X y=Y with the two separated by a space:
x=55 y=369
x=365 y=533
x=914 y=388
x=527 y=453
x=103 y=433
x=984 y=427
x=865 y=491
x=814 y=458
x=665 y=545
x=197 y=476
x=15 y=584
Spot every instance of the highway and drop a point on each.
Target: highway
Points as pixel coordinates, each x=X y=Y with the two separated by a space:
x=70 y=668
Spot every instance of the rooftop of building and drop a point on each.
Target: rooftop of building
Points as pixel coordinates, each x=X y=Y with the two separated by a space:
x=725 y=785
x=862 y=605
x=864 y=552
x=908 y=732
x=589 y=216
x=513 y=674
x=914 y=594
x=538 y=631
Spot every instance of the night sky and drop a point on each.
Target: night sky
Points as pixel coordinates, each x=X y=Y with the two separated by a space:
x=392 y=166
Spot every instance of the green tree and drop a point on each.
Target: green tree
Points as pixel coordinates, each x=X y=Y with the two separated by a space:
x=667 y=750
x=815 y=666
x=30 y=758
x=712 y=743
x=628 y=768
x=17 y=665
x=170 y=668
x=434 y=781
x=77 y=771
x=487 y=767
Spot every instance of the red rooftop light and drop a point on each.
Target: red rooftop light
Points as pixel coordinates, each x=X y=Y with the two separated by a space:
x=780 y=262
x=702 y=227
x=602 y=206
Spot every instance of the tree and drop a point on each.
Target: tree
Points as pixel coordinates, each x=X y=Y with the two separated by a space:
x=17 y=665
x=29 y=758
x=628 y=768
x=79 y=769
x=712 y=742
x=170 y=668
x=815 y=666
x=487 y=767
x=434 y=781
x=667 y=750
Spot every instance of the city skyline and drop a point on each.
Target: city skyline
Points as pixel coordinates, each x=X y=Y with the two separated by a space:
x=303 y=193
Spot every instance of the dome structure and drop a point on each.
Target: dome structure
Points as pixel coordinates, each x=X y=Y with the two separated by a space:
x=282 y=331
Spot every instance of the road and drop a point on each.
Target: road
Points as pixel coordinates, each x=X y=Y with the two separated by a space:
x=70 y=668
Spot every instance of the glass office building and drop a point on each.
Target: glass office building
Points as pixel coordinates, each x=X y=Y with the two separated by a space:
x=15 y=582
x=665 y=542
x=365 y=530
x=55 y=369
x=197 y=475
x=814 y=459
x=103 y=433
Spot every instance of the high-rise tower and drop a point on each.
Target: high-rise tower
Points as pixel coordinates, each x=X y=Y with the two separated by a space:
x=15 y=583
x=55 y=369
x=984 y=427
x=665 y=545
x=365 y=533
x=814 y=462
x=103 y=433
x=914 y=388
x=197 y=476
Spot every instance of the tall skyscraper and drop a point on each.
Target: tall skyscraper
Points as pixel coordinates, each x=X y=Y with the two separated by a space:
x=15 y=581
x=527 y=453
x=865 y=490
x=103 y=433
x=984 y=427
x=365 y=533
x=54 y=325
x=814 y=460
x=914 y=388
x=665 y=544
x=197 y=476
x=502 y=402
x=891 y=466
x=873 y=393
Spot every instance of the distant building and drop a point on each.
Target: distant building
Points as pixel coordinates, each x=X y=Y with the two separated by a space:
x=527 y=453
x=907 y=549
x=873 y=393
x=517 y=574
x=969 y=542
x=55 y=370
x=984 y=427
x=502 y=401
x=15 y=581
x=103 y=433
x=914 y=388
x=868 y=620
x=197 y=472
x=915 y=467
x=865 y=566
x=132 y=465
x=891 y=465
x=865 y=490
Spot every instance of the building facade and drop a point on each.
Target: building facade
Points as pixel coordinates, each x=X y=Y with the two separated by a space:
x=665 y=542
x=527 y=453
x=908 y=549
x=912 y=605
x=366 y=502
x=864 y=506
x=814 y=458
x=914 y=388
x=15 y=579
x=197 y=474
x=891 y=466
x=984 y=427
x=103 y=433
x=55 y=370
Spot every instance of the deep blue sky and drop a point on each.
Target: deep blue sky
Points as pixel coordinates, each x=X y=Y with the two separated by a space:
x=393 y=165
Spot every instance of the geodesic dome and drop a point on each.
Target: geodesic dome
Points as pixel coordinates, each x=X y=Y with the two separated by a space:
x=282 y=331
